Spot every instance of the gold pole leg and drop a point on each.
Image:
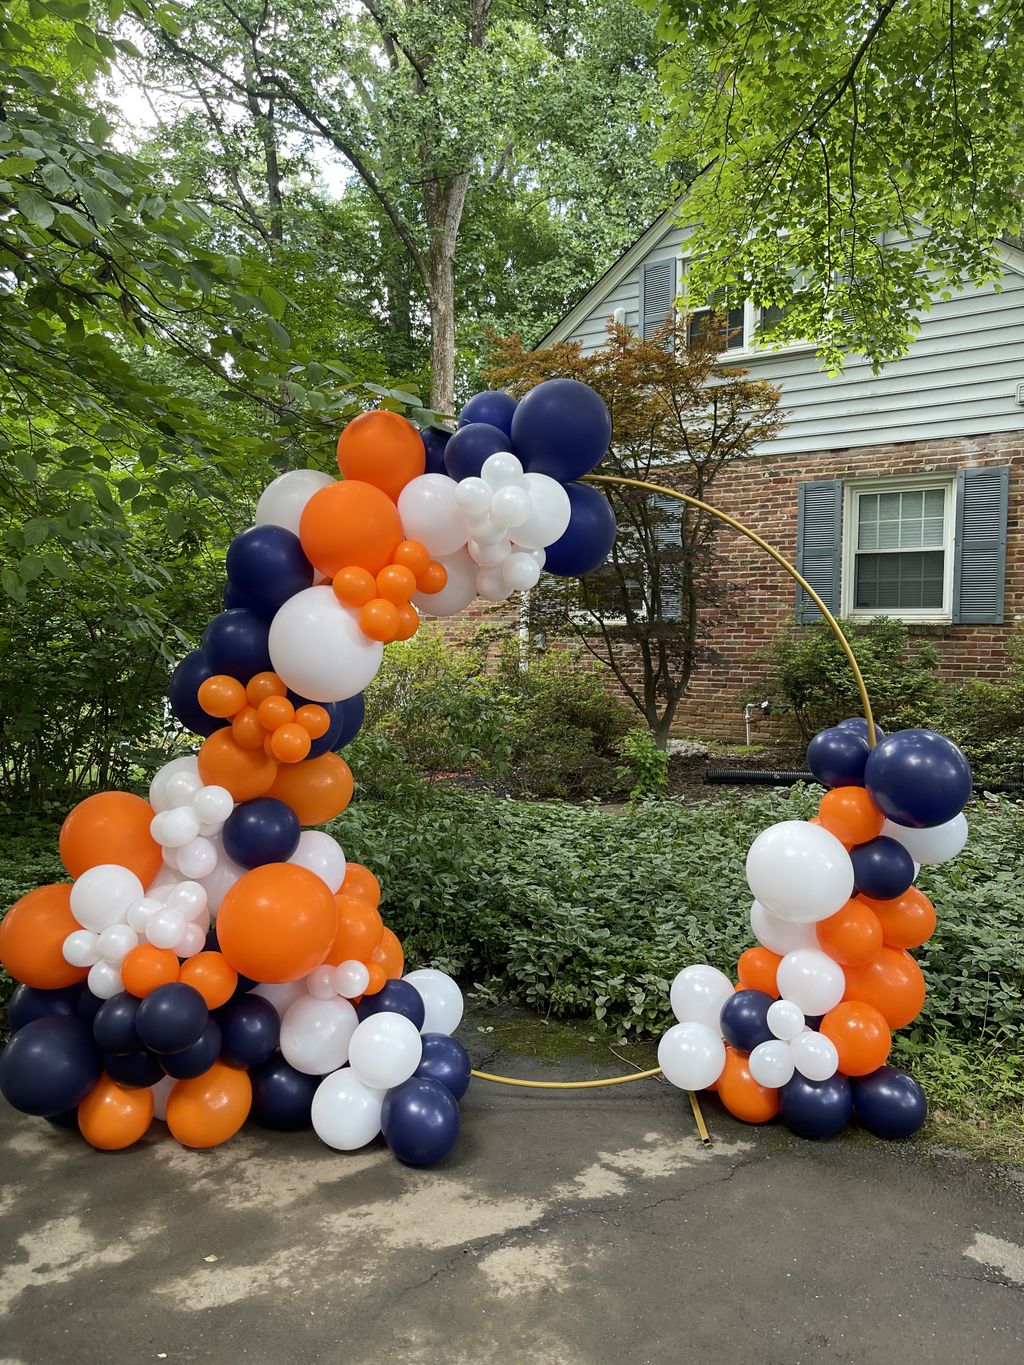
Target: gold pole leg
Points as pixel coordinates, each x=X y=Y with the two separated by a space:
x=702 y=1128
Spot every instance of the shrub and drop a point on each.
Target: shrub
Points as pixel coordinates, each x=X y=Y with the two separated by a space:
x=644 y=764
x=987 y=720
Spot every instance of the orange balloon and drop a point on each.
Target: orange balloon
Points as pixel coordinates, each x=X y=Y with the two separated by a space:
x=317 y=789
x=359 y=934
x=111 y=827
x=32 y=938
x=744 y=1097
x=290 y=743
x=433 y=578
x=850 y=814
x=263 y=685
x=275 y=711
x=209 y=1109
x=246 y=773
x=408 y=621
x=378 y=978
x=349 y=523
x=147 y=967
x=853 y=935
x=354 y=587
x=221 y=696
x=379 y=619
x=277 y=923
x=412 y=555
x=313 y=719
x=247 y=730
x=861 y=1036
x=112 y=1117
x=396 y=583
x=389 y=954
x=212 y=975
x=756 y=970
x=382 y=448
x=360 y=881
x=908 y=921
x=892 y=982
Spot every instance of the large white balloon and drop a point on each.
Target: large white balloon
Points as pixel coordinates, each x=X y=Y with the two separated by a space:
x=442 y=999
x=812 y=980
x=315 y=1034
x=101 y=896
x=319 y=853
x=771 y=1064
x=799 y=871
x=158 y=798
x=385 y=1050
x=317 y=648
x=780 y=935
x=431 y=514
x=934 y=845
x=691 y=1056
x=814 y=1056
x=346 y=1113
x=456 y=594
x=283 y=502
x=698 y=994
x=549 y=518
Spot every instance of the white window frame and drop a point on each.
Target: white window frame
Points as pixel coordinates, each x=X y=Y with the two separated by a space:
x=852 y=491
x=751 y=348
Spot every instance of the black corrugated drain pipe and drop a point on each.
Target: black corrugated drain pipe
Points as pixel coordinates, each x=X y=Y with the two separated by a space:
x=783 y=777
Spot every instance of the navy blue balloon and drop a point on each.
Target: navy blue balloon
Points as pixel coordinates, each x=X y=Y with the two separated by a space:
x=445 y=1060
x=491 y=406
x=420 y=1121
x=183 y=693
x=889 y=1103
x=171 y=1018
x=353 y=712
x=744 y=1019
x=859 y=726
x=138 y=1070
x=282 y=1097
x=465 y=453
x=114 y=1025
x=88 y=1005
x=267 y=565
x=49 y=1065
x=434 y=442
x=882 y=868
x=561 y=428
x=837 y=757
x=194 y=1060
x=589 y=537
x=396 y=997
x=260 y=831
x=235 y=643
x=231 y=597
x=918 y=778
x=816 y=1109
x=29 y=1003
x=250 y=1028
x=69 y=1119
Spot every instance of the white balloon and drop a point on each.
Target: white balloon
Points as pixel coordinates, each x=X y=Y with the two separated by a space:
x=385 y=1050
x=691 y=1056
x=501 y=470
x=935 y=845
x=161 y=1093
x=473 y=496
x=317 y=648
x=316 y=1034
x=486 y=531
x=785 y=1019
x=350 y=978
x=771 y=1064
x=170 y=857
x=213 y=805
x=490 y=554
x=158 y=787
x=101 y=896
x=164 y=880
x=431 y=514
x=520 y=571
x=319 y=853
x=442 y=999
x=811 y=980
x=345 y=1112
x=320 y=983
x=180 y=789
x=140 y=913
x=81 y=948
x=511 y=506
x=780 y=935
x=698 y=994
x=550 y=515
x=491 y=586
x=165 y=929
x=283 y=502
x=116 y=942
x=175 y=828
x=223 y=877
x=281 y=994
x=104 y=980
x=799 y=871
x=198 y=858
x=189 y=899
x=814 y=1056
x=456 y=594
x=193 y=940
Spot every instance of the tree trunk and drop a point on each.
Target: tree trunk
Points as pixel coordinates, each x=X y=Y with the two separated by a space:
x=444 y=203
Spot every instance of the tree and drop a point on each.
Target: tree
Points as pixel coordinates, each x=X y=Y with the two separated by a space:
x=858 y=160
x=679 y=419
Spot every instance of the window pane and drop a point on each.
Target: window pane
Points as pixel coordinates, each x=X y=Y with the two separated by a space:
x=867 y=534
x=734 y=321
x=912 y=519
x=770 y=316
x=899 y=582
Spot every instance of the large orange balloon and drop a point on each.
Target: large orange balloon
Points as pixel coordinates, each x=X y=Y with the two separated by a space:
x=382 y=448
x=147 y=967
x=853 y=935
x=756 y=970
x=360 y=930
x=277 y=923
x=112 y=827
x=112 y=1117
x=892 y=982
x=209 y=1109
x=861 y=1035
x=317 y=789
x=389 y=954
x=32 y=939
x=908 y=921
x=350 y=523
x=212 y=976
x=851 y=815
x=360 y=882
x=247 y=773
x=744 y=1097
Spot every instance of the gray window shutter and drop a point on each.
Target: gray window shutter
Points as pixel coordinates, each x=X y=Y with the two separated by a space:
x=657 y=294
x=819 y=541
x=979 y=564
x=667 y=533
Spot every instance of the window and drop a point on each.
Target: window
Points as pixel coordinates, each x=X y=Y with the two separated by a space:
x=729 y=323
x=900 y=551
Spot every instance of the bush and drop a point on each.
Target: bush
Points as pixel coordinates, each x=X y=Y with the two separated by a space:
x=987 y=720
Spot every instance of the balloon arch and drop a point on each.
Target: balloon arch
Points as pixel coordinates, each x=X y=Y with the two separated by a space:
x=211 y=958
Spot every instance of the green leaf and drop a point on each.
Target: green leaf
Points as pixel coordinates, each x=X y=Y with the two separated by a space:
x=35 y=208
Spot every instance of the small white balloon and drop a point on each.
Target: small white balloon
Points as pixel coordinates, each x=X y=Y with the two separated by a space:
x=165 y=880
x=158 y=787
x=161 y=1093
x=771 y=1064
x=283 y=502
x=198 y=858
x=175 y=827
x=81 y=948
x=170 y=857
x=799 y=871
x=181 y=788
x=101 y=896
x=281 y=994
x=431 y=514
x=319 y=853
x=511 y=506
x=935 y=845
x=698 y=993
x=442 y=999
x=491 y=586
x=780 y=935
x=502 y=469
x=221 y=879
x=116 y=942
x=316 y=1034
x=813 y=981
x=189 y=899
x=213 y=805
x=193 y=940
x=474 y=496
x=104 y=980
x=456 y=594
x=350 y=978
x=785 y=1019
x=486 y=531
x=165 y=929
x=520 y=571
x=490 y=555
x=320 y=983
x=140 y=913
x=814 y=1055
x=317 y=648
x=550 y=513
x=385 y=1050
x=345 y=1112
x=691 y=1056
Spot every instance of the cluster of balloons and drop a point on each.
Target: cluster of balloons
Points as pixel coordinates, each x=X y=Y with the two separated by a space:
x=807 y=1031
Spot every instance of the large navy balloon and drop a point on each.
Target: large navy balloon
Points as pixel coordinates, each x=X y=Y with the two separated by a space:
x=267 y=565
x=49 y=1065
x=420 y=1121
x=282 y=1097
x=491 y=406
x=589 y=537
x=195 y=1060
x=395 y=997
x=445 y=1060
x=816 y=1109
x=837 y=757
x=171 y=1018
x=69 y=1119
x=882 y=868
x=889 y=1103
x=465 y=453
x=561 y=428
x=353 y=713
x=88 y=1005
x=137 y=1070
x=114 y=1025
x=183 y=693
x=250 y=1027
x=918 y=778
x=434 y=442
x=744 y=1019
x=29 y=1003
x=260 y=831
x=859 y=726
x=236 y=643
